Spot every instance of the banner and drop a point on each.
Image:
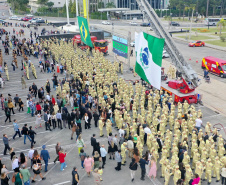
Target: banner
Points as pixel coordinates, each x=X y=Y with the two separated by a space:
x=120 y=46
x=84 y=31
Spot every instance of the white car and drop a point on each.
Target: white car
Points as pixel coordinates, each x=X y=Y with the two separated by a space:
x=106 y=23
x=14 y=17
x=132 y=44
x=34 y=20
x=133 y=23
x=165 y=54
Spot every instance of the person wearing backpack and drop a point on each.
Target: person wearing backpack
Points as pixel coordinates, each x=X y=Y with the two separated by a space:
x=24 y=132
x=133 y=168
x=82 y=156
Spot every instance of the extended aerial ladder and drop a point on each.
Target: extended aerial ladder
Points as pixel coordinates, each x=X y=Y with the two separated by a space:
x=178 y=60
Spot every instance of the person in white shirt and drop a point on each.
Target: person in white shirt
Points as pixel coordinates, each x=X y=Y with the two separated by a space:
x=15 y=163
x=48 y=97
x=103 y=154
x=115 y=140
x=30 y=154
x=121 y=132
x=198 y=123
x=147 y=130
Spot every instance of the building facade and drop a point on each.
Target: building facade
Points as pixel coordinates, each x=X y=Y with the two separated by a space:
x=34 y=6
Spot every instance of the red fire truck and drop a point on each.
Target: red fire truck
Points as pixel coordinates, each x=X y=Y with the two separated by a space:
x=101 y=45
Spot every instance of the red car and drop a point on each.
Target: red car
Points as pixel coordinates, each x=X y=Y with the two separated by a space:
x=196 y=43
x=26 y=18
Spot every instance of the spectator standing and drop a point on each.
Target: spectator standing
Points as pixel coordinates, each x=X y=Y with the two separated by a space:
x=223 y=175
x=103 y=154
x=4 y=179
x=82 y=156
x=75 y=176
x=118 y=158
x=198 y=123
x=80 y=143
x=25 y=174
x=96 y=118
x=88 y=164
x=153 y=168
x=97 y=178
x=143 y=162
x=133 y=168
x=93 y=142
x=45 y=156
x=30 y=154
x=6 y=143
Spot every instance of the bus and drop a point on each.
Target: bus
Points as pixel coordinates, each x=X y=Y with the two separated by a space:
x=212 y=21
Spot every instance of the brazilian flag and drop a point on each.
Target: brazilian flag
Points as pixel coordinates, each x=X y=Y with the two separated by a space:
x=84 y=31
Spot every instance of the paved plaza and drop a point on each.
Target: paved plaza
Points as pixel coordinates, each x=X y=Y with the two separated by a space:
x=213 y=110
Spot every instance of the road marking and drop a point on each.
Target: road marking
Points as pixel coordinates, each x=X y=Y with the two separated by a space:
x=62 y=183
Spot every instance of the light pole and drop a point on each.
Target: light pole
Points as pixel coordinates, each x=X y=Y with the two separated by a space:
x=68 y=22
x=191 y=23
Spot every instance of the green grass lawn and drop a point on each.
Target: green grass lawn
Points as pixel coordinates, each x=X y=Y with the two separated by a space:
x=199 y=37
x=217 y=43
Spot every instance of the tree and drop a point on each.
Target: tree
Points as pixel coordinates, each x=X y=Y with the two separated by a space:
x=221 y=24
x=42 y=2
x=101 y=4
x=73 y=8
x=50 y=5
x=110 y=5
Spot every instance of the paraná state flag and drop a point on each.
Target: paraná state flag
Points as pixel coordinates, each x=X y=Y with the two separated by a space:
x=149 y=58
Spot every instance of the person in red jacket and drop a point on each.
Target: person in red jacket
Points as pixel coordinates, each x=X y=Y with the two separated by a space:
x=62 y=156
x=38 y=108
x=53 y=100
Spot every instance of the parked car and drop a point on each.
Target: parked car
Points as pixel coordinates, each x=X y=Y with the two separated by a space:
x=34 y=20
x=197 y=43
x=132 y=44
x=106 y=23
x=165 y=54
x=14 y=17
x=40 y=21
x=174 y=24
x=133 y=23
x=26 y=18
x=145 y=24
x=2 y=21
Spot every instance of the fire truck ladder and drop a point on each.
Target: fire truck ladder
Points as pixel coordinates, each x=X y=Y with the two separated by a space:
x=177 y=58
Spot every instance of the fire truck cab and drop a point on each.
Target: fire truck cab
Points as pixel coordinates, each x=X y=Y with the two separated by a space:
x=215 y=65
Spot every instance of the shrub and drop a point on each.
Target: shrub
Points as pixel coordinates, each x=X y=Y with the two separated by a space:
x=223 y=38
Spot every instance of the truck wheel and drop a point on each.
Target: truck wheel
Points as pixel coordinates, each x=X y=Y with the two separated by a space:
x=221 y=75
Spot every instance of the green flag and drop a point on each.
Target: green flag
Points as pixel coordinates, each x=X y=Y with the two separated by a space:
x=149 y=58
x=84 y=31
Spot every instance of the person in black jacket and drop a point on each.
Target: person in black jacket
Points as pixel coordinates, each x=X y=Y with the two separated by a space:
x=96 y=118
x=159 y=141
x=93 y=142
x=133 y=168
x=32 y=133
x=90 y=118
x=8 y=115
x=64 y=118
x=34 y=87
x=69 y=120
